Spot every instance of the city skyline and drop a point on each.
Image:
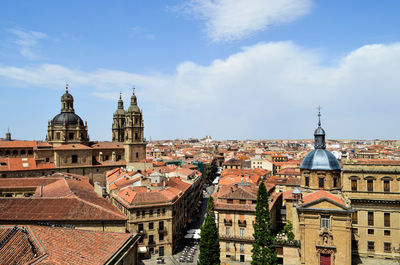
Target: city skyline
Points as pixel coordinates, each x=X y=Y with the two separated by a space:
x=250 y=71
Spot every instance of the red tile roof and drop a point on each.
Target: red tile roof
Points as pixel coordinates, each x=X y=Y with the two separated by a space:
x=60 y=246
x=71 y=198
x=19 y=164
x=320 y=195
x=18 y=144
x=72 y=147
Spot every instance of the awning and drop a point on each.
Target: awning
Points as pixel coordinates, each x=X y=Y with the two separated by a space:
x=196 y=236
x=188 y=236
x=191 y=231
x=142 y=249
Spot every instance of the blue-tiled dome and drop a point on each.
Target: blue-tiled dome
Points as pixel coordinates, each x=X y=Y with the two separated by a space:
x=320 y=159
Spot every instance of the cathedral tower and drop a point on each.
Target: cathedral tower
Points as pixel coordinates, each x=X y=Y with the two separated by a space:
x=118 y=127
x=134 y=142
x=67 y=127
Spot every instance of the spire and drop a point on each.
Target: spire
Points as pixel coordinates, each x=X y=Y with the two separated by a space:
x=319 y=116
x=120 y=102
x=319 y=134
x=66 y=88
x=133 y=98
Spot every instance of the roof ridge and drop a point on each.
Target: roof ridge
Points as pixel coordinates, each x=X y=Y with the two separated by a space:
x=100 y=207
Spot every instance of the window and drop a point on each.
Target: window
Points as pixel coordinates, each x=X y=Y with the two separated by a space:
x=354 y=217
x=161 y=236
x=137 y=155
x=58 y=136
x=140 y=228
x=71 y=136
x=307 y=180
x=386 y=232
x=151 y=213
x=137 y=214
x=22 y=152
x=163 y=211
x=106 y=158
x=321 y=182
x=370 y=231
x=386 y=186
x=161 y=225
x=371 y=246
x=230 y=201
x=143 y=213
x=47 y=159
x=353 y=185
x=387 y=247
x=370 y=185
x=141 y=239
x=228 y=231
x=151 y=226
x=241 y=248
x=370 y=218
x=242 y=232
x=335 y=182
x=151 y=239
x=325 y=221
x=386 y=219
x=228 y=246
x=242 y=201
x=30 y=152
x=136 y=136
x=74 y=159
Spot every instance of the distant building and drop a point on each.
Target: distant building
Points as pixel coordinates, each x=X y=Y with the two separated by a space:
x=158 y=207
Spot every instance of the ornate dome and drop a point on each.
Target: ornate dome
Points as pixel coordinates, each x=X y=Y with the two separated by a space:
x=320 y=159
x=68 y=118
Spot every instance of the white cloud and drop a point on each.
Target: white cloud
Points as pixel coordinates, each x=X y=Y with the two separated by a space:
x=266 y=90
x=27 y=40
x=228 y=20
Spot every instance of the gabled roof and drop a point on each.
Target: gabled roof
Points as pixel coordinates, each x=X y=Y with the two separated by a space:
x=65 y=198
x=322 y=195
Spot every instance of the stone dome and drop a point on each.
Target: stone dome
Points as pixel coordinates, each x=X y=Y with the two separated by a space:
x=68 y=118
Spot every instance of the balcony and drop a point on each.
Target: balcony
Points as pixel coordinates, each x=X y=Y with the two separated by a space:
x=228 y=222
x=242 y=223
x=237 y=239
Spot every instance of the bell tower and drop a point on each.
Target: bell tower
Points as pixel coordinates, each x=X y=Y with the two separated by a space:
x=134 y=142
x=118 y=127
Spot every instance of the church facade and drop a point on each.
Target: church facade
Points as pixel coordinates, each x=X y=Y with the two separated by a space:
x=68 y=148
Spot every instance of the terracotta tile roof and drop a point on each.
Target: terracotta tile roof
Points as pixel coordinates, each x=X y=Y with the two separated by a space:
x=21 y=247
x=289 y=171
x=176 y=182
x=137 y=197
x=69 y=198
x=54 y=245
x=19 y=164
x=233 y=162
x=107 y=145
x=319 y=195
x=72 y=147
x=374 y=162
x=18 y=144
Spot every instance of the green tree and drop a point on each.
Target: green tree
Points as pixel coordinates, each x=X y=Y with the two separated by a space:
x=288 y=230
x=209 y=238
x=263 y=248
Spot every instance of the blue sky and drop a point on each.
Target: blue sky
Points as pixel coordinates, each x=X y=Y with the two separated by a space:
x=232 y=69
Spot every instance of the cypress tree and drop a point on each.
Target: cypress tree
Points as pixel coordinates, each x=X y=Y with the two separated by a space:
x=263 y=248
x=209 y=238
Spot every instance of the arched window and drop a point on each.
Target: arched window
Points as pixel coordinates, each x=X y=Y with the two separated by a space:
x=22 y=152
